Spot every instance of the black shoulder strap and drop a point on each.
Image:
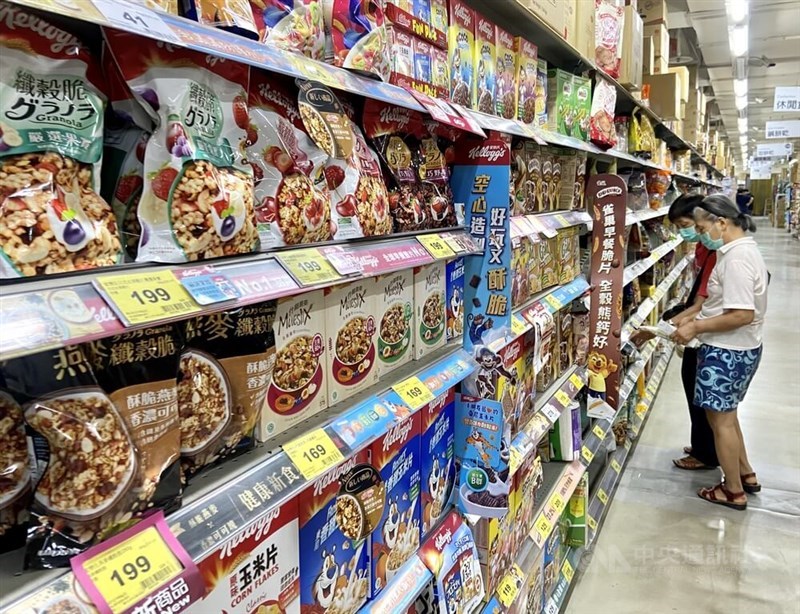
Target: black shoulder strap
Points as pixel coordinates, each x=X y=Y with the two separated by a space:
x=696 y=285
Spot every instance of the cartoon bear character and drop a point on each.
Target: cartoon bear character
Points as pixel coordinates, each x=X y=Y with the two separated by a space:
x=328 y=579
x=600 y=367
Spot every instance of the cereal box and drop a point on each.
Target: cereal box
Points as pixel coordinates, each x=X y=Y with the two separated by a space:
x=401 y=45
x=461 y=42
x=559 y=101
x=534 y=589
x=350 y=325
x=519 y=270
x=298 y=388
x=527 y=481
x=534 y=184
x=582 y=90
x=396 y=456
x=568 y=254
x=439 y=15
x=438 y=466
x=547 y=176
x=430 y=288
x=541 y=93
x=334 y=559
x=527 y=66
x=495 y=540
x=483 y=91
x=565 y=342
x=552 y=560
x=455 y=299
x=440 y=72
x=393 y=296
x=257 y=570
x=423 y=53
x=506 y=74
x=422 y=10
x=526 y=382
x=548 y=249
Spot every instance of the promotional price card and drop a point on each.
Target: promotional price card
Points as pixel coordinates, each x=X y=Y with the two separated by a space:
x=436 y=246
x=313 y=453
x=308 y=266
x=135 y=567
x=414 y=393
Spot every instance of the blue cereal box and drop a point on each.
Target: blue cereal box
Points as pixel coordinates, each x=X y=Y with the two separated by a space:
x=454 y=274
x=438 y=463
x=396 y=457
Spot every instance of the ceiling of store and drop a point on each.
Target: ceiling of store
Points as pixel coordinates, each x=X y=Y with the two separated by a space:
x=774 y=37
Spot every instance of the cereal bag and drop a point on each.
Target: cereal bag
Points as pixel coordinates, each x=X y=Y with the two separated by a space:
x=358 y=35
x=601 y=124
x=483 y=92
x=461 y=41
x=291 y=25
x=292 y=201
x=52 y=219
x=15 y=475
x=608 y=37
x=225 y=367
x=198 y=194
x=434 y=174
x=526 y=79
x=231 y=15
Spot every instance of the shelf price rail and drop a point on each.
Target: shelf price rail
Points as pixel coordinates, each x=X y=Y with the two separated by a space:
x=637 y=268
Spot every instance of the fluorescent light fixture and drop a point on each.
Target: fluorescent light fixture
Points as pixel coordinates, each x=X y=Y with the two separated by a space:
x=741 y=103
x=741 y=123
x=743 y=142
x=737 y=10
x=740 y=87
x=739 y=40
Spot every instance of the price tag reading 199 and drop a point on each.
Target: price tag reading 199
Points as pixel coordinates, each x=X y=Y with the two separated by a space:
x=308 y=266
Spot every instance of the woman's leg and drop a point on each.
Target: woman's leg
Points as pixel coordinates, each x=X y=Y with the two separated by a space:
x=744 y=464
x=729 y=447
x=703 y=448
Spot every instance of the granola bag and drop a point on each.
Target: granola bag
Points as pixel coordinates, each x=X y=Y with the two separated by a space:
x=608 y=23
x=52 y=219
x=292 y=200
x=291 y=25
x=434 y=174
x=15 y=475
x=225 y=367
x=358 y=36
x=197 y=201
x=232 y=15
x=601 y=125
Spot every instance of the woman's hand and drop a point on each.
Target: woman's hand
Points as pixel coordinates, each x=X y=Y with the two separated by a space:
x=685 y=333
x=640 y=337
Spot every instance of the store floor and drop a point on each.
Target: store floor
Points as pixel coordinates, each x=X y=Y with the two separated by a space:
x=661 y=548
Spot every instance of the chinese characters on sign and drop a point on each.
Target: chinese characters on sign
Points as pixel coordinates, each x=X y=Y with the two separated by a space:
x=787 y=99
x=783 y=129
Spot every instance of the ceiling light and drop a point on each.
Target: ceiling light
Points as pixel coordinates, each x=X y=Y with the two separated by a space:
x=737 y=10
x=739 y=42
x=741 y=123
x=741 y=102
x=740 y=87
x=743 y=142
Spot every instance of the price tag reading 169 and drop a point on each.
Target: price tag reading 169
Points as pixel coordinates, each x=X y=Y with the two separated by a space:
x=414 y=393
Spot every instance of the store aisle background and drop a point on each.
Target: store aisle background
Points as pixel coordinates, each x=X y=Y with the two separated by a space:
x=663 y=549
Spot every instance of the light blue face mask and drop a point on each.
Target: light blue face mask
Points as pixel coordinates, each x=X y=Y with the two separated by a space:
x=712 y=244
x=689 y=234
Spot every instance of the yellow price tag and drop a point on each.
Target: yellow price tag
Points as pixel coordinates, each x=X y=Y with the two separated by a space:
x=641 y=409
x=601 y=494
x=308 y=266
x=567 y=570
x=563 y=398
x=587 y=454
x=557 y=503
x=509 y=586
x=592 y=523
x=615 y=465
x=313 y=453
x=140 y=298
x=598 y=431
x=627 y=444
x=436 y=246
x=542 y=529
x=518 y=325
x=576 y=381
x=554 y=303
x=414 y=393
x=564 y=222
x=130 y=570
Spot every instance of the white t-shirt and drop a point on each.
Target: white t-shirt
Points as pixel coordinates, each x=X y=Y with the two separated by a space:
x=739 y=281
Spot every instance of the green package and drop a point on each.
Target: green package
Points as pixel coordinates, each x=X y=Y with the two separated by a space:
x=575 y=514
x=582 y=106
x=560 y=102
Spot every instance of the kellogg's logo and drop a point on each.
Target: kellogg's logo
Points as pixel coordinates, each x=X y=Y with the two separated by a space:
x=329 y=478
x=442 y=540
x=260 y=528
x=463 y=14
x=489 y=153
x=397 y=434
x=486 y=28
x=279 y=100
x=395 y=116
x=14 y=18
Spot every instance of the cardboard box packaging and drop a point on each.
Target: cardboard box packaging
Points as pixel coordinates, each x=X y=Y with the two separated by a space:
x=665 y=95
x=653 y=11
x=506 y=73
x=648 y=56
x=660 y=36
x=683 y=77
x=552 y=12
x=560 y=101
x=582 y=106
x=527 y=67
x=632 y=41
x=660 y=65
x=484 y=62
x=461 y=44
x=584 y=27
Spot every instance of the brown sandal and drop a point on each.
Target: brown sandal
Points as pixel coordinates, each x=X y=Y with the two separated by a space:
x=750 y=488
x=710 y=495
x=690 y=463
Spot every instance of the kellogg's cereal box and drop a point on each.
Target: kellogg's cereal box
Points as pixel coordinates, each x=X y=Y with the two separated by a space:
x=257 y=570
x=461 y=42
x=396 y=456
x=423 y=58
x=455 y=299
x=440 y=73
x=483 y=91
x=541 y=93
x=430 y=288
x=527 y=66
x=299 y=378
x=506 y=74
x=394 y=299
x=438 y=462
x=334 y=560
x=351 y=338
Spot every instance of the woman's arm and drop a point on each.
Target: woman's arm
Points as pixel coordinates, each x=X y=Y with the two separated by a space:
x=731 y=319
x=690 y=313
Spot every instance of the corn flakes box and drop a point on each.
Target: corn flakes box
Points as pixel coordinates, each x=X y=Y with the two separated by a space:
x=394 y=299
x=298 y=388
x=396 y=456
x=438 y=466
x=455 y=299
x=430 y=289
x=351 y=339
x=257 y=570
x=483 y=91
x=461 y=42
x=506 y=73
x=334 y=567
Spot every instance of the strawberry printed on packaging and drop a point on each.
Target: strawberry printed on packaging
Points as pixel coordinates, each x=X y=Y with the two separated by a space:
x=291 y=25
x=52 y=219
x=292 y=200
x=358 y=36
x=197 y=202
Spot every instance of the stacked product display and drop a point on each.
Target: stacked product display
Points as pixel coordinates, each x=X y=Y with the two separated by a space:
x=279 y=337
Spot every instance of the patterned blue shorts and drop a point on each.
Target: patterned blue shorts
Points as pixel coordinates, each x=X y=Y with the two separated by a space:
x=723 y=376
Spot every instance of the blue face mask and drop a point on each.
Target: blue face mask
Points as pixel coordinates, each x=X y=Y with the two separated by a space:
x=689 y=234
x=712 y=244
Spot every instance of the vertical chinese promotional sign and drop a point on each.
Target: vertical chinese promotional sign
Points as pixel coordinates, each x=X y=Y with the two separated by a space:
x=607 y=194
x=480 y=181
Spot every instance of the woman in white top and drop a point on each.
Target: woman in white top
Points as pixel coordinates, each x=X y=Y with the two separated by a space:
x=729 y=328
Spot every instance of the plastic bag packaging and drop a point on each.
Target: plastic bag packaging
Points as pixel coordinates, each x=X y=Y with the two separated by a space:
x=358 y=36
x=658 y=182
x=231 y=15
x=637 y=191
x=52 y=218
x=291 y=25
x=15 y=474
x=197 y=201
x=609 y=19
x=601 y=126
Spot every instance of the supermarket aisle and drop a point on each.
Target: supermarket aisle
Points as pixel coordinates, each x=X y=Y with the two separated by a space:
x=662 y=549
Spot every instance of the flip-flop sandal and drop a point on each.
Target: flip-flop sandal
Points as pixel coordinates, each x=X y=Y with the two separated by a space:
x=710 y=495
x=687 y=449
x=690 y=463
x=750 y=488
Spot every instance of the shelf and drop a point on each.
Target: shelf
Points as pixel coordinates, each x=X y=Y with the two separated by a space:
x=232 y=496
x=546 y=225
x=635 y=217
x=637 y=268
x=32 y=323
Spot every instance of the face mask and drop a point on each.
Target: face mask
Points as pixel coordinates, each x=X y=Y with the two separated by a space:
x=689 y=234
x=712 y=244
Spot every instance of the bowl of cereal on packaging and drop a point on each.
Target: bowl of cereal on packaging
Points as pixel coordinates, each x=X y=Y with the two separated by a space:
x=350 y=516
x=92 y=456
x=354 y=353
x=432 y=324
x=394 y=334
x=62 y=605
x=296 y=377
x=14 y=468
x=204 y=401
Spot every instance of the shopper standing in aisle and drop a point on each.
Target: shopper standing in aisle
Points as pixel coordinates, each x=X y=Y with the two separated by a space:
x=729 y=328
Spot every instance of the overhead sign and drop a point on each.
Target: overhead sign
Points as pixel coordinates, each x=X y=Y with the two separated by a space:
x=783 y=129
x=787 y=99
x=774 y=150
x=761 y=171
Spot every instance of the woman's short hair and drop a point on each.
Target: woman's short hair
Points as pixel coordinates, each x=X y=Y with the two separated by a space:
x=684 y=206
x=719 y=205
